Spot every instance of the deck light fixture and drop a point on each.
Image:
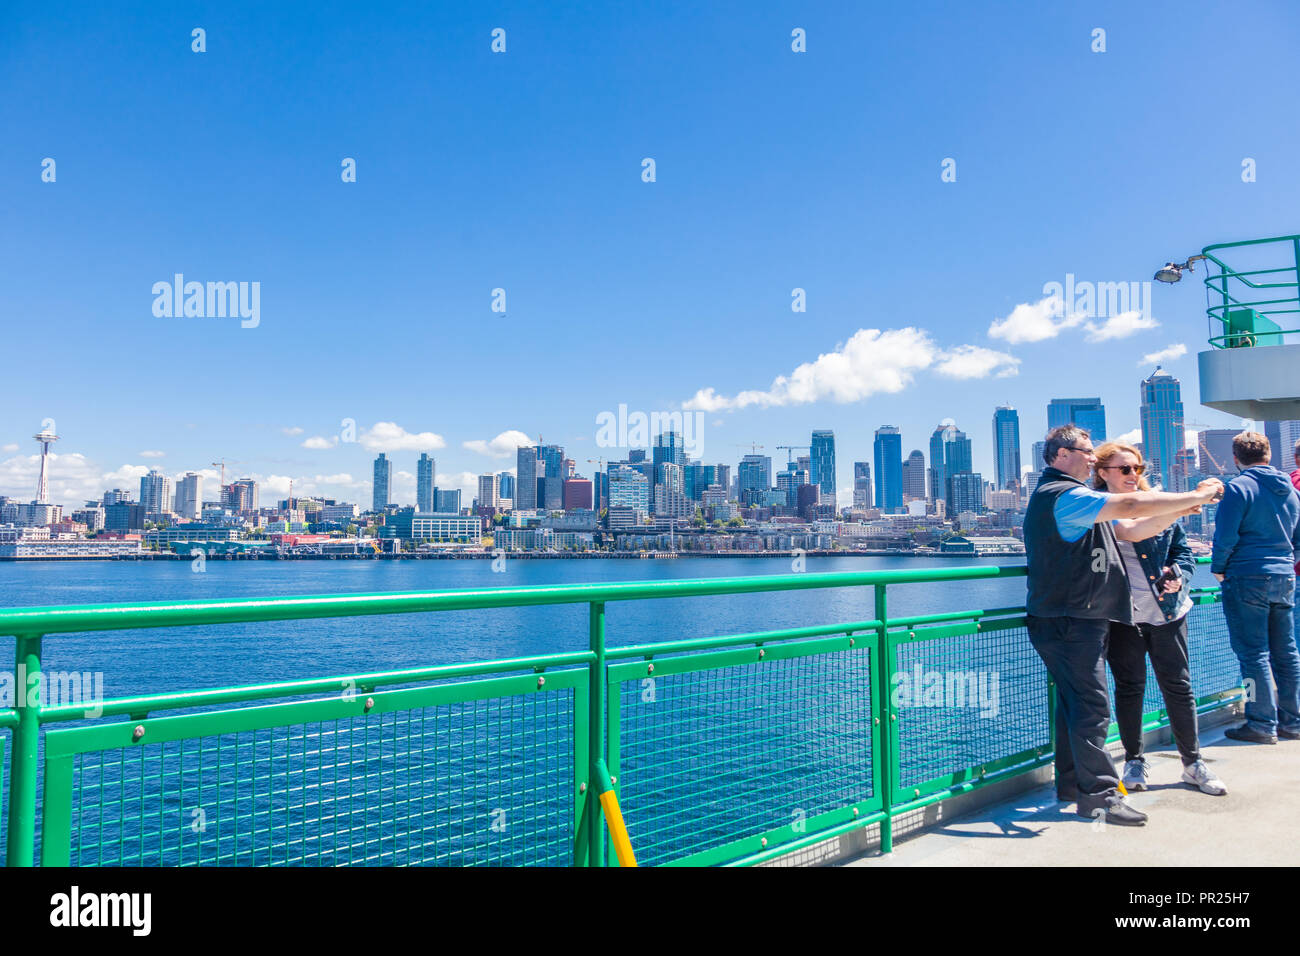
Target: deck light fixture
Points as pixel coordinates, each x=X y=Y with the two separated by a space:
x=1173 y=271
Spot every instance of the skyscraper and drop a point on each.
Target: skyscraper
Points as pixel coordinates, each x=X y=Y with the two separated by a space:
x=189 y=496
x=950 y=454
x=1162 y=427
x=155 y=492
x=1006 y=446
x=550 y=485
x=862 y=497
x=383 y=493
x=488 y=491
x=889 y=468
x=1087 y=413
x=425 y=469
x=755 y=475
x=822 y=455
x=526 y=469
x=506 y=485
x=914 y=487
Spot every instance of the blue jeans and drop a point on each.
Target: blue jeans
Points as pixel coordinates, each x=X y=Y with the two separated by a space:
x=1260 y=610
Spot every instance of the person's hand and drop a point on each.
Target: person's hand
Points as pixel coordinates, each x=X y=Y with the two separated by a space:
x=1211 y=489
x=1193 y=510
x=1219 y=578
x=1175 y=585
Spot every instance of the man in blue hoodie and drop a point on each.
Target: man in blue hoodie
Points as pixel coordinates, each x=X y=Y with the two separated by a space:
x=1256 y=546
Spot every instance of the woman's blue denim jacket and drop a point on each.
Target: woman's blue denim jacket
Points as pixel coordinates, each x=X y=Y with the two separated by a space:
x=1168 y=548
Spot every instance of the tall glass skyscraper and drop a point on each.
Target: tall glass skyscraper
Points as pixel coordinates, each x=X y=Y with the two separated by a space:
x=755 y=475
x=425 y=470
x=1163 y=436
x=1006 y=446
x=950 y=454
x=526 y=471
x=822 y=455
x=383 y=486
x=1087 y=413
x=889 y=468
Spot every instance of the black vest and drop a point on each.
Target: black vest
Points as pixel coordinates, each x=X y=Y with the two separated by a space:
x=1083 y=578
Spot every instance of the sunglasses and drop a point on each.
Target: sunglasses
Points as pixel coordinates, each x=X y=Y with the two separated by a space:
x=1086 y=451
x=1126 y=469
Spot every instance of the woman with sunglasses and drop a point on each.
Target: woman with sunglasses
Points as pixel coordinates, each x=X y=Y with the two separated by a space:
x=1159 y=571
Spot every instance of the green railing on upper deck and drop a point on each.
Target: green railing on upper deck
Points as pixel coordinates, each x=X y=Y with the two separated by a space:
x=1246 y=304
x=728 y=749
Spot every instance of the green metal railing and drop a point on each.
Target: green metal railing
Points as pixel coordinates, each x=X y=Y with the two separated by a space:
x=1248 y=311
x=730 y=749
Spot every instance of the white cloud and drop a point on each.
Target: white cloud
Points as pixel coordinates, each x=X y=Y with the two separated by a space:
x=974 y=361
x=292 y=430
x=389 y=436
x=466 y=481
x=1176 y=351
x=503 y=446
x=871 y=362
x=1133 y=437
x=318 y=442
x=1120 y=326
x=12 y=446
x=1034 y=323
x=153 y=454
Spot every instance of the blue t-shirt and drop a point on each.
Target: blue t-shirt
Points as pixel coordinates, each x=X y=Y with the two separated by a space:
x=1076 y=511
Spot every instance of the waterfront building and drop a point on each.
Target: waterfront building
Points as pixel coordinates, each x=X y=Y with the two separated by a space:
x=38 y=514
x=862 y=496
x=343 y=514
x=446 y=502
x=628 y=489
x=623 y=518
x=1161 y=414
x=1087 y=413
x=822 y=462
x=527 y=468
x=914 y=476
x=155 y=492
x=426 y=470
x=383 y=484
x=888 y=448
x=92 y=516
x=578 y=494
x=755 y=475
x=39 y=544
x=966 y=492
x=488 y=493
x=1006 y=446
x=189 y=496
x=124 y=516
x=116 y=495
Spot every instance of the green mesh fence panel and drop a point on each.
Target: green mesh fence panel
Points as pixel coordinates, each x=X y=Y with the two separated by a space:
x=965 y=701
x=476 y=782
x=713 y=755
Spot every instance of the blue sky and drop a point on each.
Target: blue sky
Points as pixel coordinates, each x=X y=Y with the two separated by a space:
x=522 y=171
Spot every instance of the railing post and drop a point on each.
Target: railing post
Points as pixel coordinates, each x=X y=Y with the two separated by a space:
x=884 y=707
x=26 y=738
x=596 y=731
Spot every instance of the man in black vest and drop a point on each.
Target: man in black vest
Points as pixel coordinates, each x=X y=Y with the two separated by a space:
x=1077 y=586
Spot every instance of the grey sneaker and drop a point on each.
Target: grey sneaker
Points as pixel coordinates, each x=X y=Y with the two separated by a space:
x=1135 y=774
x=1199 y=775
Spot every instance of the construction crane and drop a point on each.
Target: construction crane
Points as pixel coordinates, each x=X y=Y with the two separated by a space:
x=1222 y=468
x=789 y=460
x=749 y=444
x=222 y=465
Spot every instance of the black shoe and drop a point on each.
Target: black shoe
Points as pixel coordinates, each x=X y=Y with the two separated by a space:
x=1119 y=814
x=1248 y=735
x=1288 y=734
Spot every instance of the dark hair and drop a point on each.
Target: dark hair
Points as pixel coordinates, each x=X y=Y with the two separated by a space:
x=1251 y=448
x=1062 y=437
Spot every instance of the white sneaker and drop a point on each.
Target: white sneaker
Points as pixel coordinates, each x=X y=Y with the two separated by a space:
x=1135 y=774
x=1199 y=775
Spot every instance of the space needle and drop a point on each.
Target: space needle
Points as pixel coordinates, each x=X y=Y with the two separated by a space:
x=45 y=437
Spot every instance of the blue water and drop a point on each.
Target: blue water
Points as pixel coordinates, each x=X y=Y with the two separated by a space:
x=168 y=659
